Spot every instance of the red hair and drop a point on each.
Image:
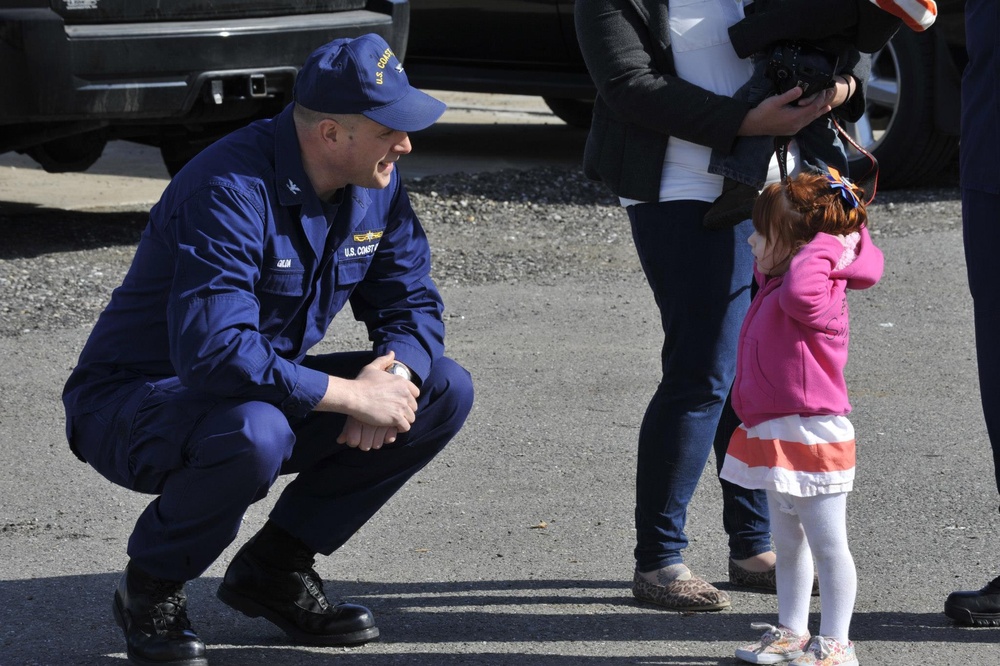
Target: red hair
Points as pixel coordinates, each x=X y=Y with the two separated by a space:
x=790 y=213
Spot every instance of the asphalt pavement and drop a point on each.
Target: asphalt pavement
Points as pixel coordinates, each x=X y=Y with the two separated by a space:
x=514 y=545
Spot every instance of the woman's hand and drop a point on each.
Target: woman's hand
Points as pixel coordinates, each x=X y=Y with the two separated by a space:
x=841 y=90
x=786 y=114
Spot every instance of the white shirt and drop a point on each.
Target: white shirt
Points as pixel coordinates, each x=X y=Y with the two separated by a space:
x=703 y=55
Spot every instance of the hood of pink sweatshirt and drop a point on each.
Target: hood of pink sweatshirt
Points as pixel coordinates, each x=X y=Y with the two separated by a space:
x=793 y=344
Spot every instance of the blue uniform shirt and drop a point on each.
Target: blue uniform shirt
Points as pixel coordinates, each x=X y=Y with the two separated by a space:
x=242 y=268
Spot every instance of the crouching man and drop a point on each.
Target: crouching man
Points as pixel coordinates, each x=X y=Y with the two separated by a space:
x=197 y=386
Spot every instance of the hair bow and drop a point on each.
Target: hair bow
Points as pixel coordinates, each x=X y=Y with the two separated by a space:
x=843 y=185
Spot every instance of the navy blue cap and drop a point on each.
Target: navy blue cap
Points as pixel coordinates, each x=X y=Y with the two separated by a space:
x=363 y=76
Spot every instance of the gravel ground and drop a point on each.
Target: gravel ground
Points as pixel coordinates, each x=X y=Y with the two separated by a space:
x=57 y=269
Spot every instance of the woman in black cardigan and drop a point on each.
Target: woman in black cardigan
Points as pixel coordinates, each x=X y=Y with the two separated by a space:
x=651 y=136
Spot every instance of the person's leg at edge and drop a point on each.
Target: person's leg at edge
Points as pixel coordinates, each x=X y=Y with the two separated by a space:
x=981 y=234
x=699 y=279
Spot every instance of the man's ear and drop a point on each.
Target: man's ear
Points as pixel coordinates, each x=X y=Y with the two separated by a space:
x=330 y=131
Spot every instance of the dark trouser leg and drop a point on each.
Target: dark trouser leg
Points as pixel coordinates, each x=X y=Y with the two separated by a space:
x=700 y=280
x=744 y=512
x=208 y=459
x=339 y=488
x=981 y=231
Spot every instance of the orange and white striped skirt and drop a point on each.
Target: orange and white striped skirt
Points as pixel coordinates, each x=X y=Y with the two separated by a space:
x=798 y=455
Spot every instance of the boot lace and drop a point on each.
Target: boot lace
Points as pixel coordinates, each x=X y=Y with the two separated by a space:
x=303 y=563
x=169 y=611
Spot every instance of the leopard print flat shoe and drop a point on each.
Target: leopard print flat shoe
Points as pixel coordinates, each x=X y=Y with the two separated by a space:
x=757 y=580
x=690 y=595
x=765 y=581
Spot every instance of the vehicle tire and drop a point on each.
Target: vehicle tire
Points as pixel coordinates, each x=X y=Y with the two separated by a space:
x=176 y=152
x=898 y=127
x=69 y=154
x=574 y=112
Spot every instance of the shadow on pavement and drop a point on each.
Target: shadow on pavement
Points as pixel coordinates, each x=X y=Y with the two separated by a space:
x=67 y=620
x=44 y=231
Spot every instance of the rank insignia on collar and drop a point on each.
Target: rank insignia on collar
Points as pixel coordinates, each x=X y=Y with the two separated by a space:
x=292 y=187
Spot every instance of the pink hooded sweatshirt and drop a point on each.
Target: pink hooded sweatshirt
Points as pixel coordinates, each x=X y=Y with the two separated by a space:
x=793 y=344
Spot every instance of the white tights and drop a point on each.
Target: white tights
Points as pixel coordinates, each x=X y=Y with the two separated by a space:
x=804 y=527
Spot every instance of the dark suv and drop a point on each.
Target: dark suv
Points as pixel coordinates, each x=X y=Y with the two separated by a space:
x=176 y=74
x=516 y=47
x=529 y=47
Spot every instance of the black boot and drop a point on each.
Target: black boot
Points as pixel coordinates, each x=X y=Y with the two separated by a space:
x=976 y=609
x=153 y=614
x=734 y=205
x=272 y=576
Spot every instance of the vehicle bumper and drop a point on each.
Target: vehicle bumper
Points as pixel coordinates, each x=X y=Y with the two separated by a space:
x=53 y=72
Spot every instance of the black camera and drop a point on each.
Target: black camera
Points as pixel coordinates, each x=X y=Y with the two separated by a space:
x=798 y=65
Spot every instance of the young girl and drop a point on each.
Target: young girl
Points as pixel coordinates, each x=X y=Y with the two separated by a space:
x=811 y=245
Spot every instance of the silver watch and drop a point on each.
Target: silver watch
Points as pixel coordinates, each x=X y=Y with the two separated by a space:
x=398 y=368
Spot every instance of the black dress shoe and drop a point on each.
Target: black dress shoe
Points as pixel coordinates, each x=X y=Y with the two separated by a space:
x=293 y=599
x=976 y=609
x=153 y=614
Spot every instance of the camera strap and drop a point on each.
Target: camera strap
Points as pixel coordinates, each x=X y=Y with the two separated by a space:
x=781 y=150
x=872 y=174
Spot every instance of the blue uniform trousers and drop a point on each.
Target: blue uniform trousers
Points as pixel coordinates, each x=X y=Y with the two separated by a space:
x=209 y=458
x=980 y=179
x=981 y=231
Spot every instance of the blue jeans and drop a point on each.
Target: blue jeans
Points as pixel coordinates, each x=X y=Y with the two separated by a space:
x=750 y=157
x=748 y=161
x=981 y=234
x=701 y=283
x=208 y=458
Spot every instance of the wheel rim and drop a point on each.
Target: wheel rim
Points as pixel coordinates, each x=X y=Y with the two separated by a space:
x=882 y=97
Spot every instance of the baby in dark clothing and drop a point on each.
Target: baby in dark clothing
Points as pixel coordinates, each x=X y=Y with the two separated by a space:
x=839 y=28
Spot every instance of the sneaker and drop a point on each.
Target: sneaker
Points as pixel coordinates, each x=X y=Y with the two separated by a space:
x=777 y=645
x=826 y=651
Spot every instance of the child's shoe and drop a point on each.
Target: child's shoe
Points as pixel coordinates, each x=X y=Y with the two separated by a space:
x=777 y=645
x=826 y=651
